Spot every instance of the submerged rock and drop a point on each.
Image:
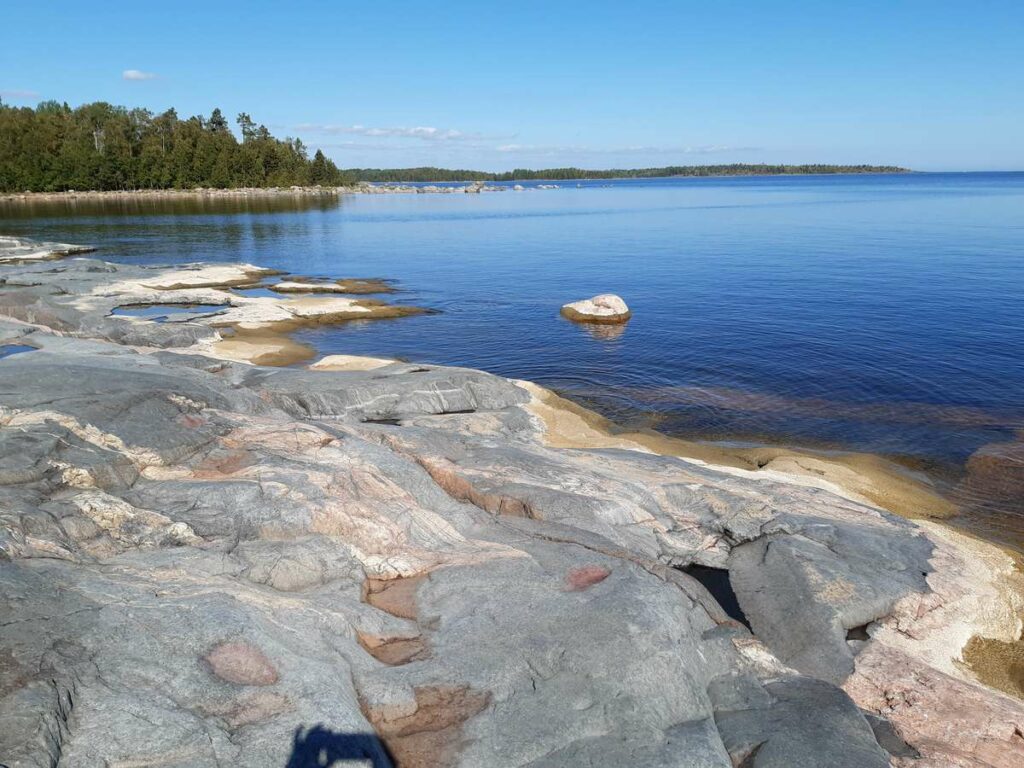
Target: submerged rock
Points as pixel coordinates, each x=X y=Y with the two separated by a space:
x=606 y=308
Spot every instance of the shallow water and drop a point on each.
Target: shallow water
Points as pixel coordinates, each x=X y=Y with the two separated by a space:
x=874 y=313
x=6 y=350
x=161 y=313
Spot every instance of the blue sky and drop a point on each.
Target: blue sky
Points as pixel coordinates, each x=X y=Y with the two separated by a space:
x=931 y=85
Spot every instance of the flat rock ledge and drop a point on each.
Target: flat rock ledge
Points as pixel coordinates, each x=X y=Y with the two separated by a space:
x=352 y=286
x=95 y=299
x=17 y=250
x=607 y=309
x=208 y=563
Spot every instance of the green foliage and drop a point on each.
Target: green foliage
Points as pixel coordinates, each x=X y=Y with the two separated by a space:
x=418 y=174
x=564 y=174
x=100 y=146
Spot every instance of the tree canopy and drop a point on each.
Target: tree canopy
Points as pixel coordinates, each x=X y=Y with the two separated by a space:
x=100 y=146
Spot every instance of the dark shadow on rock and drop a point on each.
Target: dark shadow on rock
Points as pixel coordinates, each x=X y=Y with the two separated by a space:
x=716 y=581
x=321 y=747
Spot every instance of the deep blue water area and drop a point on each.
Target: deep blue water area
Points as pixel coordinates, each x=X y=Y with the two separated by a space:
x=880 y=313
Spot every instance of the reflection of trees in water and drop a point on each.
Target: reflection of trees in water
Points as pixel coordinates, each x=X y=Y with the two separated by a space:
x=184 y=204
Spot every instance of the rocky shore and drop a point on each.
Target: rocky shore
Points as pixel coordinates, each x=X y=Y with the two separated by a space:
x=210 y=562
x=362 y=188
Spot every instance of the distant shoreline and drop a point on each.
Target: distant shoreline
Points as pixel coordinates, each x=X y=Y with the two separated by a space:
x=377 y=187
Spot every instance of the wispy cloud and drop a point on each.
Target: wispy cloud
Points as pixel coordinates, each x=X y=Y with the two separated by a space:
x=138 y=74
x=15 y=93
x=422 y=132
x=551 y=149
x=356 y=145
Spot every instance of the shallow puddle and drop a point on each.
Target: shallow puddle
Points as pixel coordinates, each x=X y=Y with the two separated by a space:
x=161 y=313
x=6 y=350
x=259 y=291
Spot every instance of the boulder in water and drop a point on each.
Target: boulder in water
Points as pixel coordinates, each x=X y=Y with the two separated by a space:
x=606 y=308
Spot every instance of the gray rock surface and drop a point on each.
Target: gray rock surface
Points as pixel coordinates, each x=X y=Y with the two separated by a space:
x=15 y=250
x=206 y=563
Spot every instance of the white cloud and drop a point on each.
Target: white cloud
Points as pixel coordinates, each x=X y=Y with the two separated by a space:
x=533 y=149
x=422 y=132
x=18 y=94
x=356 y=145
x=137 y=74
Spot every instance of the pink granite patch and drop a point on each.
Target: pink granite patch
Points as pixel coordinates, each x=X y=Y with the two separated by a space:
x=191 y=421
x=587 y=576
x=241 y=663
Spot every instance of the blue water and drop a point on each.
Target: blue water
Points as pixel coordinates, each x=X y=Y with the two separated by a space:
x=161 y=313
x=876 y=313
x=6 y=350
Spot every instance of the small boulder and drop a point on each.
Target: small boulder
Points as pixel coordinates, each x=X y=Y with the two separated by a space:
x=606 y=308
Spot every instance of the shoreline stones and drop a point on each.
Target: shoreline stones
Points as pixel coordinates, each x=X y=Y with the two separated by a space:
x=606 y=308
x=207 y=193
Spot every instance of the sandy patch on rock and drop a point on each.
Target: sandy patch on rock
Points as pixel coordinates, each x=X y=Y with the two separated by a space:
x=350 y=363
x=261 y=349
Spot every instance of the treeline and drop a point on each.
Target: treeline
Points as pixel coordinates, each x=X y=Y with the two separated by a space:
x=383 y=175
x=99 y=146
x=731 y=169
x=565 y=174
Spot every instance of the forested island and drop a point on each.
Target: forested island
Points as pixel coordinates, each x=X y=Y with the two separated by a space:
x=99 y=146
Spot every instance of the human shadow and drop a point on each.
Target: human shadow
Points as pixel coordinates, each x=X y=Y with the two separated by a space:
x=320 y=747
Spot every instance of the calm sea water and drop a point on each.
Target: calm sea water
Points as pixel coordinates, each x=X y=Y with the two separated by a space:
x=874 y=313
